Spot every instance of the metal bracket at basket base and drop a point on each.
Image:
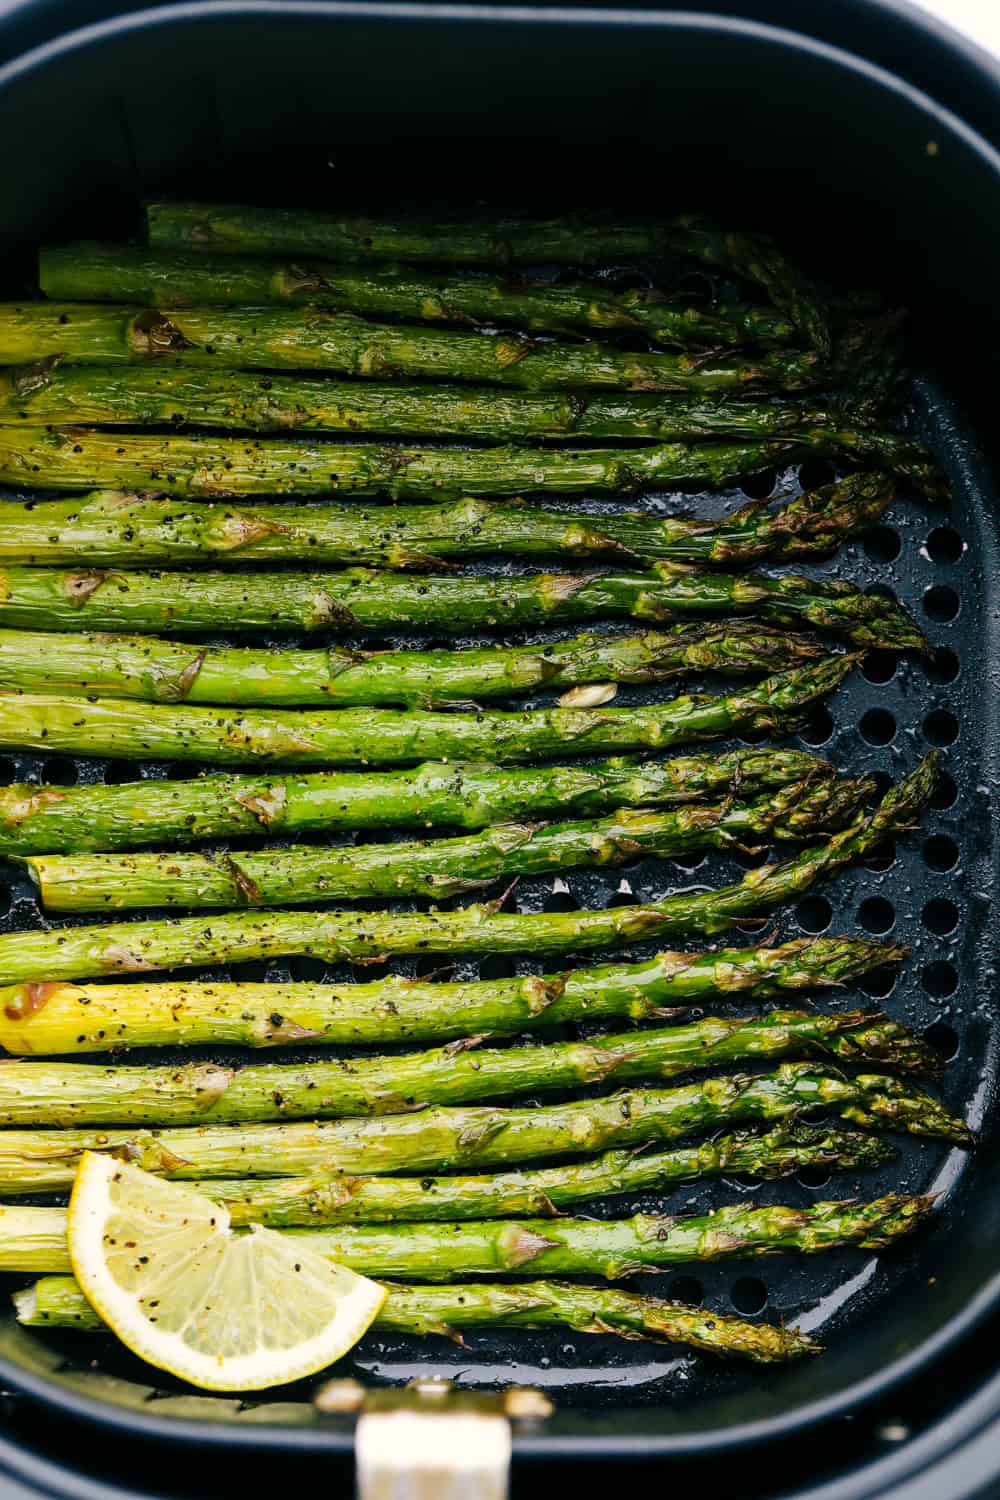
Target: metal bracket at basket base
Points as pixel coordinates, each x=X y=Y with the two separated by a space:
x=429 y=1442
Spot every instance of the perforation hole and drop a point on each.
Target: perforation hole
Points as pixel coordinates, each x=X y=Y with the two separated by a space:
x=760 y=486
x=944 y=545
x=748 y=1296
x=941 y=603
x=366 y=973
x=121 y=772
x=818 y=728
x=879 y=982
x=4 y=900
x=752 y=736
x=878 y=726
x=942 y=666
x=560 y=899
x=814 y=914
x=813 y=1178
x=945 y=793
x=940 y=852
x=8 y=771
x=876 y=914
x=427 y=965
x=497 y=966
x=311 y=970
x=941 y=727
x=624 y=895
x=940 y=916
x=688 y=862
x=944 y=1039
x=815 y=472
x=939 y=979
x=686 y=1289
x=254 y=971
x=882 y=544
x=881 y=858
x=751 y=859
x=181 y=771
x=59 y=771
x=880 y=666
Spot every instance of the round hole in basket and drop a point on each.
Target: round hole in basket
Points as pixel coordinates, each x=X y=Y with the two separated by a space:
x=944 y=545
x=939 y=979
x=686 y=1289
x=940 y=916
x=941 y=603
x=814 y=914
x=877 y=915
x=882 y=544
x=748 y=1296
x=944 y=1039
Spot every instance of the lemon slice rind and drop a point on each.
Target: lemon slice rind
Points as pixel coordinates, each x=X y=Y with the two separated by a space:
x=161 y=1266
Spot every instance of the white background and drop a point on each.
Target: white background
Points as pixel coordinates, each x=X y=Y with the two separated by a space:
x=979 y=19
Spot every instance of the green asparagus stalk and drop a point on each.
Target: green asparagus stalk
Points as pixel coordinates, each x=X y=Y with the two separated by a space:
x=113 y=527
x=53 y=1018
x=359 y=736
x=611 y=1248
x=290 y=1202
x=301 y=1202
x=121 y=947
x=57 y=1302
x=204 y=466
x=295 y=338
x=439 y=868
x=83 y=1094
x=161 y=671
x=502 y=243
x=86 y=272
x=440 y=1140
x=48 y=394
x=38 y=598
x=54 y=819
x=151 y=397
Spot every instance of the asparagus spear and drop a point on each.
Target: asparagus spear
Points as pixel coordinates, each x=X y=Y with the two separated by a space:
x=289 y=1202
x=359 y=736
x=287 y=876
x=56 y=1301
x=160 y=671
x=299 y=1202
x=83 y=1094
x=59 y=1018
x=86 y=272
x=439 y=1140
x=84 y=952
x=44 y=393
x=612 y=1248
x=205 y=466
x=295 y=338
x=81 y=599
x=149 y=397
x=113 y=527
x=51 y=819
x=502 y=243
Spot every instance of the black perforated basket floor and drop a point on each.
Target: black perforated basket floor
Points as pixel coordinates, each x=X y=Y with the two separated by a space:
x=931 y=893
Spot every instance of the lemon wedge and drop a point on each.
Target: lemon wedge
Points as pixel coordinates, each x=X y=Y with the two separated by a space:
x=226 y=1311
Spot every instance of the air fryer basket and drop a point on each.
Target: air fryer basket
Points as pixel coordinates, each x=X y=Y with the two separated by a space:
x=605 y=113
